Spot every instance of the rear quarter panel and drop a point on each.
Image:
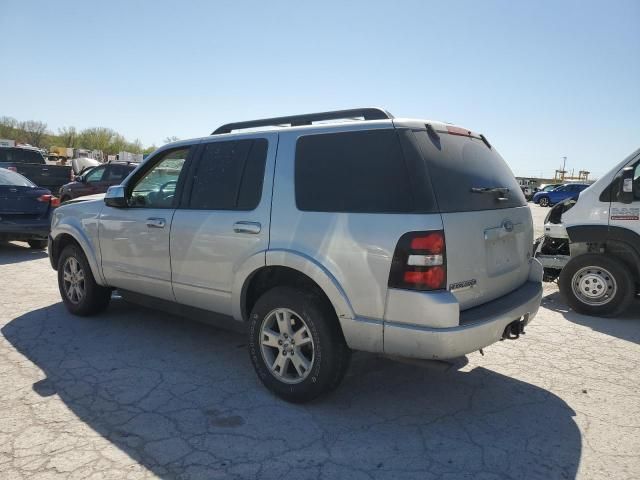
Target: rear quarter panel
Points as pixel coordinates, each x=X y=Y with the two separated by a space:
x=355 y=249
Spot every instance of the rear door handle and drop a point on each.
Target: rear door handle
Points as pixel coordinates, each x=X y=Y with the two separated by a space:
x=155 y=222
x=247 y=227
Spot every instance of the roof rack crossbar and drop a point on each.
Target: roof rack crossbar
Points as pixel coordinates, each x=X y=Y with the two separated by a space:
x=307 y=119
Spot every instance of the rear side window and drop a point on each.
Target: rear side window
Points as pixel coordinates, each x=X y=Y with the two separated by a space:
x=360 y=172
x=117 y=173
x=12 y=155
x=229 y=175
x=458 y=164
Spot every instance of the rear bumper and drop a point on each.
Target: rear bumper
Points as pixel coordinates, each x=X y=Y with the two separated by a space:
x=479 y=327
x=25 y=229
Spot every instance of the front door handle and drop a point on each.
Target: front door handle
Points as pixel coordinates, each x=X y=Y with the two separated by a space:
x=155 y=222
x=247 y=227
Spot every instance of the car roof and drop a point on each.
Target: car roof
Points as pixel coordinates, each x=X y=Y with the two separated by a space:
x=338 y=120
x=22 y=147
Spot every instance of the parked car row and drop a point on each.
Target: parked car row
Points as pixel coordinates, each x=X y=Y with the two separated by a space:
x=560 y=193
x=552 y=194
x=27 y=184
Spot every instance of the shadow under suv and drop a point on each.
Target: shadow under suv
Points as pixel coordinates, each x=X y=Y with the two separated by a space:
x=323 y=233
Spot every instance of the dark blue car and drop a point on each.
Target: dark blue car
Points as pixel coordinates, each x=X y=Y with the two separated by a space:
x=25 y=209
x=559 y=194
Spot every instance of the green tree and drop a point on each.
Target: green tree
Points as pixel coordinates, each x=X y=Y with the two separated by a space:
x=33 y=132
x=97 y=138
x=171 y=139
x=67 y=136
x=8 y=128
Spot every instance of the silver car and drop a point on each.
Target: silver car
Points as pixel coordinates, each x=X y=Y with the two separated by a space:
x=321 y=234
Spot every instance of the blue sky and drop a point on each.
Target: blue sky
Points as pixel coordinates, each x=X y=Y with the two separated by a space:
x=540 y=79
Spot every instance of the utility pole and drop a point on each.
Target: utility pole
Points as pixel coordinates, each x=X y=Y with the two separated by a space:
x=564 y=164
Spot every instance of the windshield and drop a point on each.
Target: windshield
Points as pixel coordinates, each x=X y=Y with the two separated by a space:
x=7 y=177
x=466 y=175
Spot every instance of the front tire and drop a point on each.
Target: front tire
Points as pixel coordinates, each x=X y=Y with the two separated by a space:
x=597 y=285
x=37 y=244
x=78 y=288
x=296 y=345
x=544 y=202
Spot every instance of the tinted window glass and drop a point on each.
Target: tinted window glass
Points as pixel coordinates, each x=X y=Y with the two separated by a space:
x=116 y=173
x=95 y=175
x=32 y=157
x=361 y=171
x=456 y=164
x=229 y=175
x=157 y=187
x=10 y=155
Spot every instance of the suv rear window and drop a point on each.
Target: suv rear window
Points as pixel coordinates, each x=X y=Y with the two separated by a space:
x=361 y=171
x=456 y=164
x=229 y=175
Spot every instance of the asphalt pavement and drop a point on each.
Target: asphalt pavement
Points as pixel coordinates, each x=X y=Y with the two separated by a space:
x=137 y=394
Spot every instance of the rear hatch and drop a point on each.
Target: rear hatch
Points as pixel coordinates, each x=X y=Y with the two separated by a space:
x=487 y=224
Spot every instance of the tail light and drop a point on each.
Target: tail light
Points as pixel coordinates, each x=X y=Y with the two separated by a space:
x=419 y=262
x=50 y=199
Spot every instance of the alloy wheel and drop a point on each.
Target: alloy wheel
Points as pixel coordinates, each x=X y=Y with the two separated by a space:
x=73 y=280
x=286 y=345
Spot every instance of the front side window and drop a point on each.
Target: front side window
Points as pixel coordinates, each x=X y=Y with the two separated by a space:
x=229 y=175
x=636 y=182
x=32 y=157
x=157 y=187
x=359 y=172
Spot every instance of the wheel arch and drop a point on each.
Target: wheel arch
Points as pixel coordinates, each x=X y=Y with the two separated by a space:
x=290 y=268
x=66 y=234
x=618 y=242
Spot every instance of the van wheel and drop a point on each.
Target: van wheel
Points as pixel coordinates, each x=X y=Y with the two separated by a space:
x=37 y=244
x=544 y=202
x=78 y=288
x=596 y=285
x=296 y=345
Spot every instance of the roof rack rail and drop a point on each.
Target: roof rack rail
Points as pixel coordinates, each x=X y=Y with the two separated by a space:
x=370 y=113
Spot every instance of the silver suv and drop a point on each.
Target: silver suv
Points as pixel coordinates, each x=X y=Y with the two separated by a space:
x=321 y=234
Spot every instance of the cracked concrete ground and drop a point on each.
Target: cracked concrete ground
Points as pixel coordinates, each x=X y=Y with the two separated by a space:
x=138 y=394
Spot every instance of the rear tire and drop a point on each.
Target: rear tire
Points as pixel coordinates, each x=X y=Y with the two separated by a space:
x=78 y=288
x=597 y=285
x=544 y=202
x=37 y=244
x=316 y=364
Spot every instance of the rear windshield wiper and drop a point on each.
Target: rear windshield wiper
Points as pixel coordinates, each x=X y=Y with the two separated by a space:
x=501 y=191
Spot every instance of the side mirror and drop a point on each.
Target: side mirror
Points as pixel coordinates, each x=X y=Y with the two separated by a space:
x=625 y=192
x=115 y=197
x=80 y=178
